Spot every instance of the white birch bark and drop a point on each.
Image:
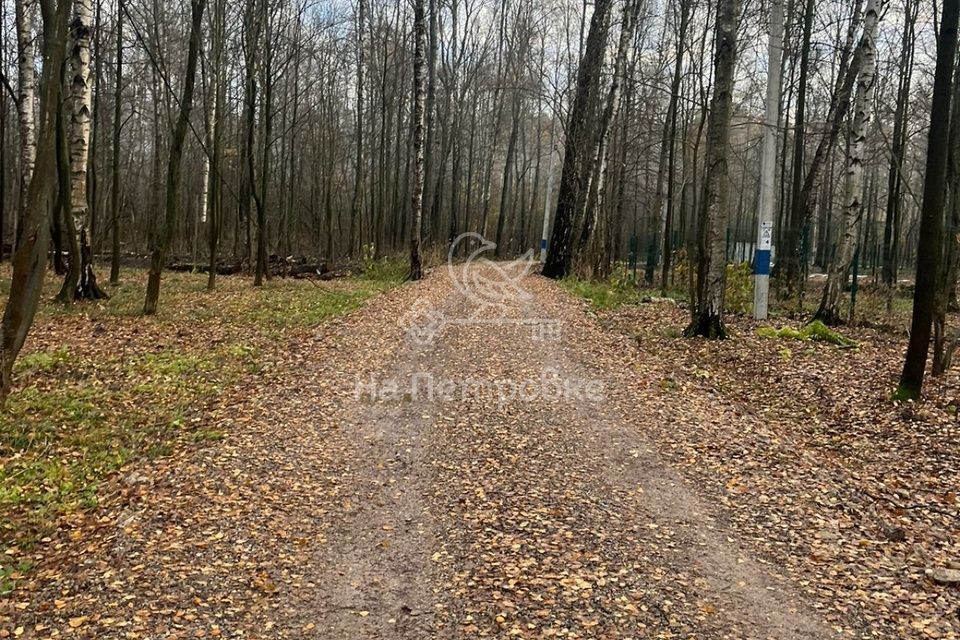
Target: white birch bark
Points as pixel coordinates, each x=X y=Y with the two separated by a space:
x=81 y=27
x=419 y=123
x=829 y=311
x=26 y=94
x=211 y=120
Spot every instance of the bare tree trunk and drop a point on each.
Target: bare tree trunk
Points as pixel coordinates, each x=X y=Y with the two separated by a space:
x=931 y=220
x=164 y=228
x=29 y=260
x=63 y=226
x=508 y=166
x=471 y=165
x=430 y=117
x=248 y=179
x=93 y=179
x=613 y=248
x=215 y=127
x=803 y=201
x=668 y=145
x=26 y=98
x=712 y=263
x=943 y=344
x=829 y=311
x=787 y=257
x=580 y=149
x=356 y=208
x=115 y=162
x=891 y=227
x=592 y=237
x=80 y=282
x=4 y=110
x=419 y=106
x=260 y=195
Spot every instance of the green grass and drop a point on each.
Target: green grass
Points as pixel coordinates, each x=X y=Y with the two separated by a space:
x=278 y=304
x=614 y=293
x=284 y=307
x=41 y=361
x=606 y=295
x=815 y=331
x=386 y=270
x=11 y=572
x=62 y=434
x=86 y=404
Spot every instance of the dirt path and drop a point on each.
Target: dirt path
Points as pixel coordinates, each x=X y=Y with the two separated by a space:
x=561 y=519
x=490 y=478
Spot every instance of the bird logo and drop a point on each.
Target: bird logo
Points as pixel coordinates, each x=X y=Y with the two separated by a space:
x=486 y=282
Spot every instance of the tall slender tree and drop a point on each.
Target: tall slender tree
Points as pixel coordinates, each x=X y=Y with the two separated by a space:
x=579 y=147
x=29 y=260
x=802 y=204
x=668 y=148
x=712 y=260
x=261 y=190
x=215 y=141
x=164 y=226
x=80 y=282
x=592 y=235
x=25 y=12
x=419 y=107
x=4 y=110
x=931 y=218
x=891 y=226
x=838 y=274
x=356 y=208
x=115 y=159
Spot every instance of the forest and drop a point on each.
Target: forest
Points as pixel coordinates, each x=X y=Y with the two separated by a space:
x=215 y=216
x=289 y=134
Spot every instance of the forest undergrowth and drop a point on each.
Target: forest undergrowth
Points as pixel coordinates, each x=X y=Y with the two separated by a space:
x=855 y=494
x=99 y=386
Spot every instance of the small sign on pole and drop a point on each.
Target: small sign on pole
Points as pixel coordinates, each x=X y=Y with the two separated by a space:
x=766 y=235
x=768 y=166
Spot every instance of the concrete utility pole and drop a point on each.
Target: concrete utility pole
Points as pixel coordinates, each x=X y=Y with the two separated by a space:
x=768 y=169
x=546 y=202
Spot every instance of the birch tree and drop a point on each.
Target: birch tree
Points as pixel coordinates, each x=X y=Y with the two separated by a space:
x=802 y=204
x=262 y=192
x=592 y=238
x=80 y=282
x=26 y=99
x=712 y=264
x=419 y=107
x=214 y=126
x=829 y=311
x=29 y=260
x=579 y=152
